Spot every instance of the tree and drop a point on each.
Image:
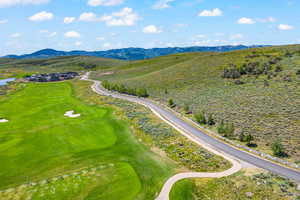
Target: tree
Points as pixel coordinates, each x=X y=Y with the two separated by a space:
x=171 y=103
x=278 y=149
x=222 y=128
x=248 y=139
x=242 y=137
x=187 y=109
x=200 y=118
x=210 y=120
x=229 y=130
x=142 y=92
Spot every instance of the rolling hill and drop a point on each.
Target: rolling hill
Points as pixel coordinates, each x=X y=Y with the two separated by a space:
x=262 y=100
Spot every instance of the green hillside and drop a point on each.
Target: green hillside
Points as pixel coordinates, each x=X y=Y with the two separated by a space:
x=262 y=100
x=13 y=67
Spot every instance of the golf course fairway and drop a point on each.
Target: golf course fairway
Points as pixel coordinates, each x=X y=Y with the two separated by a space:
x=46 y=155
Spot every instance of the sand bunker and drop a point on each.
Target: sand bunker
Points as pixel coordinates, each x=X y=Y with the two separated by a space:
x=71 y=114
x=3 y=120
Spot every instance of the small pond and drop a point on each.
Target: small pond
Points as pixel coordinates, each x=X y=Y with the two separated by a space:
x=5 y=81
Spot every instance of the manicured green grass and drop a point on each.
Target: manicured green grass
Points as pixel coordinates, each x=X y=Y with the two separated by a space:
x=39 y=143
x=268 y=113
x=184 y=188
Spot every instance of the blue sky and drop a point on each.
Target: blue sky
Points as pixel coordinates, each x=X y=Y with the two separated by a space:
x=30 y=25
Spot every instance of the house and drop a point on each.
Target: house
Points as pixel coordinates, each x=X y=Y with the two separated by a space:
x=52 y=77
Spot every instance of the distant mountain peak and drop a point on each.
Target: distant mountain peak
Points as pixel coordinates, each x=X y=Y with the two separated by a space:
x=131 y=53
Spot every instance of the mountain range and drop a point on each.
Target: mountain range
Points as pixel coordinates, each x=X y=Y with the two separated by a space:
x=130 y=53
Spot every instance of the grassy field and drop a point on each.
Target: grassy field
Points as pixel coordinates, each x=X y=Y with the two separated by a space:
x=243 y=185
x=265 y=105
x=46 y=155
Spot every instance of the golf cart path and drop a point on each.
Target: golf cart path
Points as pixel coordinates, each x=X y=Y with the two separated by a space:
x=236 y=156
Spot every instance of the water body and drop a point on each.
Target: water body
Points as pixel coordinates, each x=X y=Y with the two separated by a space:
x=5 y=81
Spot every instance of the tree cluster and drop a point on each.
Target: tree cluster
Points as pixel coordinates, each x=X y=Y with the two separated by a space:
x=140 y=92
x=202 y=119
x=251 y=68
x=248 y=138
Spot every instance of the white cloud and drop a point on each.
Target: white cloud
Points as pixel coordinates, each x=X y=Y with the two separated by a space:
x=105 y=2
x=6 y=3
x=69 y=20
x=89 y=17
x=126 y=17
x=3 y=21
x=285 y=27
x=16 y=35
x=72 y=34
x=41 y=16
x=246 y=20
x=237 y=36
x=151 y=29
x=161 y=4
x=211 y=13
x=78 y=43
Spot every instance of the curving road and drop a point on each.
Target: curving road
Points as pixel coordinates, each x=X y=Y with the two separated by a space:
x=198 y=135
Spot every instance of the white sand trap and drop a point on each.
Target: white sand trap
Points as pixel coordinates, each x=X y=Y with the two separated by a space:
x=71 y=114
x=3 y=120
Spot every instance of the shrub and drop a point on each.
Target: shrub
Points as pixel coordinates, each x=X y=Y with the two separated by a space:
x=278 y=68
x=210 y=120
x=225 y=129
x=187 y=109
x=142 y=92
x=171 y=103
x=200 y=118
x=222 y=128
x=278 y=149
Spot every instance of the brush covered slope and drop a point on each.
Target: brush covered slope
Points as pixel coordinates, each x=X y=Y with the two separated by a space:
x=256 y=89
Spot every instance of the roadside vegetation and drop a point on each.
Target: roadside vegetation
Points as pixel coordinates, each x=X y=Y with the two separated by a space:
x=248 y=96
x=243 y=186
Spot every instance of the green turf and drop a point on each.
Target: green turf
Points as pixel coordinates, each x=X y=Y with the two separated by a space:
x=39 y=143
x=183 y=189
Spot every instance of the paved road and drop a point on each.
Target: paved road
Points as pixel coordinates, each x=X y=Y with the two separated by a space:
x=218 y=145
x=165 y=192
